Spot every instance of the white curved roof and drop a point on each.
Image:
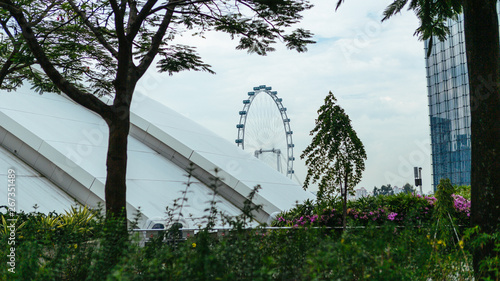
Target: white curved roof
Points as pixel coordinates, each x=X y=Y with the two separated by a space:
x=66 y=144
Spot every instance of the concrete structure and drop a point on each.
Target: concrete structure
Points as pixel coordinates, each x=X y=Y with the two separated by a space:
x=58 y=150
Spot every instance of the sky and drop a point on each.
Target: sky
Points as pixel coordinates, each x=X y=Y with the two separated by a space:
x=375 y=70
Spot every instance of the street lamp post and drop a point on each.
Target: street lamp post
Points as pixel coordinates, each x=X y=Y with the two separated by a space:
x=418 y=178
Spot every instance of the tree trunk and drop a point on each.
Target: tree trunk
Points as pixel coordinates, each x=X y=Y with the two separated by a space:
x=483 y=59
x=344 y=205
x=116 y=164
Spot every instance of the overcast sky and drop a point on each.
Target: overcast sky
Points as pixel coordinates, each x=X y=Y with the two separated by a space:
x=376 y=70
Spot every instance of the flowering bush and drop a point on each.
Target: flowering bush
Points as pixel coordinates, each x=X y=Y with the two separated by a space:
x=462 y=208
x=402 y=209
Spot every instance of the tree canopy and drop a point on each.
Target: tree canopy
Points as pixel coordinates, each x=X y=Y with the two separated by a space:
x=336 y=155
x=383 y=190
x=89 y=48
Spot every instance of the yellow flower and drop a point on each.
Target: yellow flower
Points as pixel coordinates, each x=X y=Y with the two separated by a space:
x=76 y=245
x=194 y=245
x=461 y=244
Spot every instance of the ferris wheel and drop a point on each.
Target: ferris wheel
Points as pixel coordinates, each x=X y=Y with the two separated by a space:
x=265 y=129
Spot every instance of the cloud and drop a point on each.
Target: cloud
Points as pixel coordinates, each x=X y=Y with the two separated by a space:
x=376 y=70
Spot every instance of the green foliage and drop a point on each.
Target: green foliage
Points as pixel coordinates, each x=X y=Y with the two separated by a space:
x=408 y=188
x=489 y=265
x=400 y=209
x=384 y=190
x=444 y=204
x=52 y=246
x=463 y=190
x=384 y=251
x=81 y=39
x=336 y=155
x=64 y=40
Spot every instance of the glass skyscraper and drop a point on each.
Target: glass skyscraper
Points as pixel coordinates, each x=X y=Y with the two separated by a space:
x=449 y=108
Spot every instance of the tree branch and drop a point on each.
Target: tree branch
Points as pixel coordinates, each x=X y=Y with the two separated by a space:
x=98 y=34
x=44 y=13
x=135 y=23
x=85 y=99
x=178 y=3
x=155 y=43
x=119 y=17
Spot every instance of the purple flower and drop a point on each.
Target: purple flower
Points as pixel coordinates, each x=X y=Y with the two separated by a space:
x=392 y=216
x=461 y=204
x=313 y=218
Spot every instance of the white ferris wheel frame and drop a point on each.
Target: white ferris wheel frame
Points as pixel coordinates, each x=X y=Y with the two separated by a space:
x=240 y=141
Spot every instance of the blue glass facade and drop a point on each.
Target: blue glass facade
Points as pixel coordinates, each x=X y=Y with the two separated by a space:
x=449 y=109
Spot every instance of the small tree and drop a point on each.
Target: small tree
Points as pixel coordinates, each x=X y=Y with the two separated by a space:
x=408 y=188
x=335 y=157
x=386 y=190
x=383 y=190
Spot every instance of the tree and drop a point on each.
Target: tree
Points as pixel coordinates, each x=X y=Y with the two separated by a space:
x=483 y=62
x=62 y=45
x=408 y=188
x=336 y=156
x=131 y=35
x=386 y=190
x=383 y=190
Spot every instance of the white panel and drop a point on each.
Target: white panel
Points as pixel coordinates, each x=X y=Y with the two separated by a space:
x=139 y=122
x=245 y=190
x=57 y=157
x=79 y=192
x=154 y=196
x=3 y=132
x=97 y=187
x=12 y=143
x=67 y=165
x=62 y=179
x=171 y=142
x=31 y=188
x=137 y=133
x=152 y=142
x=226 y=167
x=44 y=166
x=28 y=154
x=27 y=137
